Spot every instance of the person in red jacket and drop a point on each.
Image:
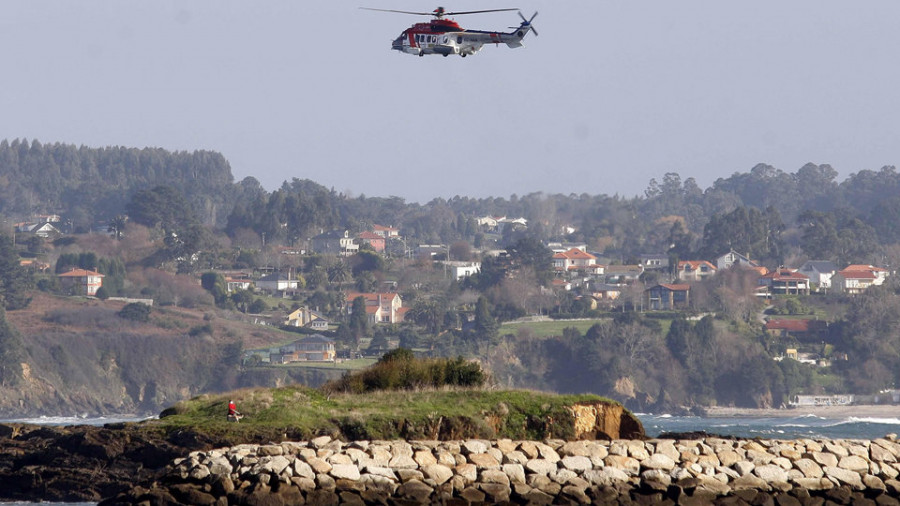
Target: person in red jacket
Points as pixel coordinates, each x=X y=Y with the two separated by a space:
x=233 y=414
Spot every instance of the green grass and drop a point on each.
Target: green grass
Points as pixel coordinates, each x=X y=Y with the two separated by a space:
x=548 y=328
x=430 y=414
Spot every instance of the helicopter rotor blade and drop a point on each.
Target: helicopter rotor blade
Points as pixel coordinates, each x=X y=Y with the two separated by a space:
x=399 y=12
x=477 y=12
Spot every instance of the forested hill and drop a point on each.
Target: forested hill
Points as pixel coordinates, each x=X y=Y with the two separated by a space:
x=87 y=185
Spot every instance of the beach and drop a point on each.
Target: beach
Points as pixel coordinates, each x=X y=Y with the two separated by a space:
x=834 y=412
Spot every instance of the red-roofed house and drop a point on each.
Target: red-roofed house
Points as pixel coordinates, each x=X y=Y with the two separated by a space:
x=664 y=297
x=794 y=327
x=380 y=307
x=574 y=260
x=81 y=281
x=785 y=281
x=386 y=232
x=372 y=239
x=857 y=280
x=695 y=270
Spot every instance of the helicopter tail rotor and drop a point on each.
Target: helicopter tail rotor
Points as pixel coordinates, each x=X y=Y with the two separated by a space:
x=526 y=23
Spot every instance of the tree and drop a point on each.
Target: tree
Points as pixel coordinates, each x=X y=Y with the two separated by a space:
x=15 y=280
x=358 y=326
x=116 y=226
x=12 y=352
x=163 y=207
x=486 y=327
x=214 y=283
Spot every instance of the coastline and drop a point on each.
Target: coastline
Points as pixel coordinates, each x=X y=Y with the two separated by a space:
x=838 y=412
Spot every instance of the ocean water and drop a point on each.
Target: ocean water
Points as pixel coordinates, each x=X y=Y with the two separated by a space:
x=801 y=426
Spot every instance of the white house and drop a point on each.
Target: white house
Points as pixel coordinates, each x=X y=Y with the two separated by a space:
x=819 y=272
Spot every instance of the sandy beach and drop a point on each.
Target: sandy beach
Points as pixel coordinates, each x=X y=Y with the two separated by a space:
x=858 y=411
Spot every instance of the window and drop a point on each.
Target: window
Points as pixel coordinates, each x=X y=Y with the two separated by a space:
x=459 y=40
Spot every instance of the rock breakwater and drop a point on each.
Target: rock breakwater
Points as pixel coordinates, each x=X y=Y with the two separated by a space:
x=657 y=471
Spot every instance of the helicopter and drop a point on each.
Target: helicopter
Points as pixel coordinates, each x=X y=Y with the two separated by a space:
x=446 y=37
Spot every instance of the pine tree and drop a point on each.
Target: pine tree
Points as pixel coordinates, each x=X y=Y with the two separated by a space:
x=15 y=280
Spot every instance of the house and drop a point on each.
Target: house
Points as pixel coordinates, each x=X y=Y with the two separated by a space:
x=278 y=283
x=856 y=278
x=315 y=348
x=785 y=282
x=561 y=247
x=81 y=281
x=819 y=273
x=335 y=242
x=372 y=239
x=803 y=329
x=386 y=232
x=41 y=229
x=235 y=283
x=606 y=292
x=733 y=257
x=459 y=270
x=489 y=222
x=623 y=274
x=305 y=317
x=380 y=307
x=694 y=270
x=880 y=274
x=561 y=284
x=573 y=260
x=666 y=297
x=655 y=262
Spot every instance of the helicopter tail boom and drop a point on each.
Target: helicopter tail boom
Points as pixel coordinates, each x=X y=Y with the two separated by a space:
x=514 y=39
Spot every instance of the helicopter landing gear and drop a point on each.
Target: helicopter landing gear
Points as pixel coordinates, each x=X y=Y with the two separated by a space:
x=421 y=53
x=464 y=55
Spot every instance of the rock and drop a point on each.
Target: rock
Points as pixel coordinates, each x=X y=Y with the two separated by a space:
x=484 y=461
x=854 y=463
x=468 y=471
x=576 y=463
x=474 y=446
x=345 y=471
x=497 y=492
x=605 y=476
x=771 y=473
x=416 y=491
x=627 y=464
x=515 y=472
x=844 y=476
x=809 y=468
x=437 y=473
x=743 y=468
x=494 y=476
x=540 y=466
x=659 y=461
x=320 y=441
x=424 y=458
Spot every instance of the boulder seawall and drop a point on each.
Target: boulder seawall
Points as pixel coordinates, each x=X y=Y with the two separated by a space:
x=655 y=471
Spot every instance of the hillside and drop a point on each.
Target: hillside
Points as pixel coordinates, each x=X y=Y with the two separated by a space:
x=83 y=358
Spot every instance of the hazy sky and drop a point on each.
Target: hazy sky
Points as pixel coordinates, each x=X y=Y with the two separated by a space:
x=611 y=94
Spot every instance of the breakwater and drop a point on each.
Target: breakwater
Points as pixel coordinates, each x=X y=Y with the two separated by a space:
x=656 y=471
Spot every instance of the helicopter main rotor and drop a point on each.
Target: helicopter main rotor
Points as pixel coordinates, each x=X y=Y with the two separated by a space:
x=438 y=13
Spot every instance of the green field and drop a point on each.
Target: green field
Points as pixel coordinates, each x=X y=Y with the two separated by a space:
x=548 y=328
x=553 y=328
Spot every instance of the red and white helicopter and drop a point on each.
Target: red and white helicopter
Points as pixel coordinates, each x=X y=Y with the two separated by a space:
x=446 y=37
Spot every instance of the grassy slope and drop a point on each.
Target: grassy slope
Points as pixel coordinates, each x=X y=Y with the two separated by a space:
x=303 y=412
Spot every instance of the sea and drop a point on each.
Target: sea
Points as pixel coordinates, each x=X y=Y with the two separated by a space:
x=796 y=427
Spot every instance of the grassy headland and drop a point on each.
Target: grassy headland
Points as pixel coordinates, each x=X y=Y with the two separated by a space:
x=301 y=412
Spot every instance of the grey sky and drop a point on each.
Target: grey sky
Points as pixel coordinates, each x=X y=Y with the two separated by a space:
x=609 y=95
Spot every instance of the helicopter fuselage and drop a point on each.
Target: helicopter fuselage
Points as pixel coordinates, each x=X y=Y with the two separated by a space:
x=446 y=37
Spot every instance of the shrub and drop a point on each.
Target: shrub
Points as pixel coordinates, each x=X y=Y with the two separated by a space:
x=135 y=311
x=400 y=370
